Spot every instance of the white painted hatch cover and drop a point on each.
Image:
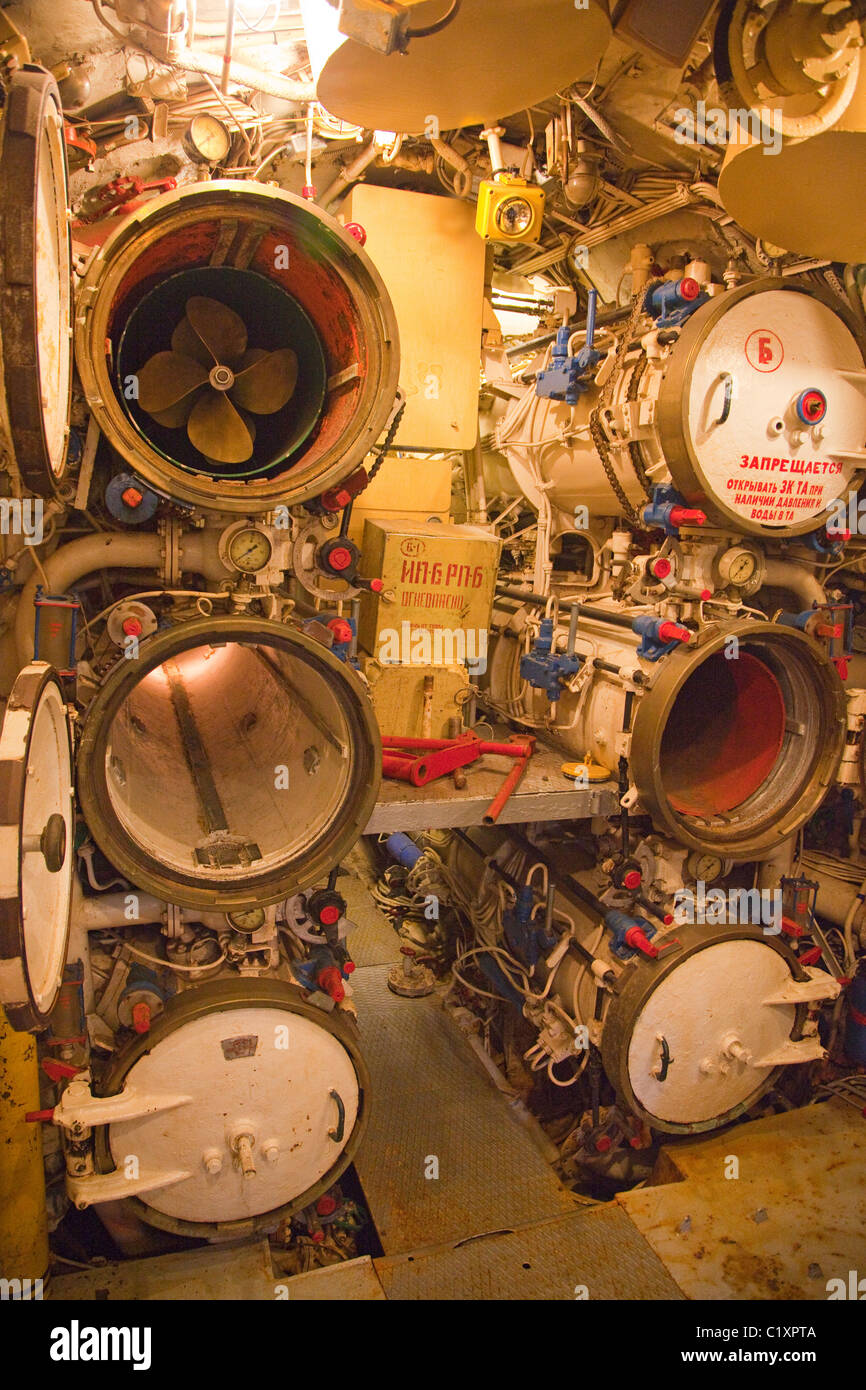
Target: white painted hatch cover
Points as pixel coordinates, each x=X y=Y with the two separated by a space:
x=35 y=279
x=36 y=858
x=268 y=1075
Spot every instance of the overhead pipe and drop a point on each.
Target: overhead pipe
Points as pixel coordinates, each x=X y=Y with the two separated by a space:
x=194 y=60
x=245 y=75
x=225 y=77
x=350 y=173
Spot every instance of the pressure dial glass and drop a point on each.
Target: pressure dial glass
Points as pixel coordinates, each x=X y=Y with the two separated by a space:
x=738 y=567
x=248 y=921
x=249 y=550
x=704 y=868
x=207 y=140
x=514 y=216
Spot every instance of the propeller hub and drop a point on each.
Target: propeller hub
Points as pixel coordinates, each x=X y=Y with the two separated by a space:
x=222 y=378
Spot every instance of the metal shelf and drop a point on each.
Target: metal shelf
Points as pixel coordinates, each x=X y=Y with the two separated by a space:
x=543 y=794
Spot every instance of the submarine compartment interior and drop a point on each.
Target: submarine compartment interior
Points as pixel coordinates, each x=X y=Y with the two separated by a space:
x=433 y=651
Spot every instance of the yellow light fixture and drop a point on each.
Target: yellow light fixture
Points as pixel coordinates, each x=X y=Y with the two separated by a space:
x=509 y=210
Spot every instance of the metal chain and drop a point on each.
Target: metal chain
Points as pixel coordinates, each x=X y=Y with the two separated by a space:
x=596 y=430
x=599 y=439
x=388 y=441
x=634 y=448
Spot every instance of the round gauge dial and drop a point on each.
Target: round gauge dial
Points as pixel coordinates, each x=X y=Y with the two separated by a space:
x=704 y=868
x=738 y=567
x=247 y=921
x=514 y=216
x=249 y=550
x=207 y=140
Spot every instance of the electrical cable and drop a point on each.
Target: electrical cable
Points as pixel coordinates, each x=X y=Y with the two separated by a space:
x=170 y=965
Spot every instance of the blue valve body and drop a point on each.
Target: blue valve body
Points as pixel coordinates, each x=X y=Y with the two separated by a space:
x=652 y=647
x=543 y=668
x=566 y=378
x=618 y=923
x=658 y=511
x=668 y=305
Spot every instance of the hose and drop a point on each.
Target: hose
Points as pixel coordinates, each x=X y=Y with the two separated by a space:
x=463 y=171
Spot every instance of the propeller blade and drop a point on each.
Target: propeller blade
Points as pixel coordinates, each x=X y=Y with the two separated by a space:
x=265 y=381
x=222 y=331
x=216 y=429
x=166 y=379
x=176 y=415
x=251 y=426
x=184 y=339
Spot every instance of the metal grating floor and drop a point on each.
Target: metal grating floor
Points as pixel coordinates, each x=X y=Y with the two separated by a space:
x=590 y=1254
x=225 y=1272
x=372 y=940
x=432 y=1100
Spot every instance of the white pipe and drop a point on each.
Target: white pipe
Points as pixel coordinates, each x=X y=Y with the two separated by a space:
x=777 y=866
x=225 y=75
x=110 y=910
x=800 y=581
x=244 y=75
x=350 y=173
x=111 y=550
x=71 y=562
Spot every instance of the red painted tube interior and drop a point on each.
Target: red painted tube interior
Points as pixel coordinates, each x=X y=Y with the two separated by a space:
x=723 y=736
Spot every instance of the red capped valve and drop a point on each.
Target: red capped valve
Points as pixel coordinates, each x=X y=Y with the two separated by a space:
x=687 y=516
x=339 y=558
x=141 y=1017
x=341 y=629
x=336 y=498
x=811 y=406
x=688 y=288
x=637 y=939
x=357 y=231
x=330 y=981
x=672 y=632
x=326 y=906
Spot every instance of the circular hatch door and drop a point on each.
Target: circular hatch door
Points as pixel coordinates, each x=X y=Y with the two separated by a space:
x=35 y=279
x=36 y=855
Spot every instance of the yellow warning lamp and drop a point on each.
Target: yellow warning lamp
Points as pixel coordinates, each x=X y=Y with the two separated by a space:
x=510 y=209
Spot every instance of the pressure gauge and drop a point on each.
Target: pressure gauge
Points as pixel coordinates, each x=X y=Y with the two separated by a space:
x=206 y=140
x=737 y=567
x=246 y=548
x=704 y=868
x=247 y=921
x=514 y=216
